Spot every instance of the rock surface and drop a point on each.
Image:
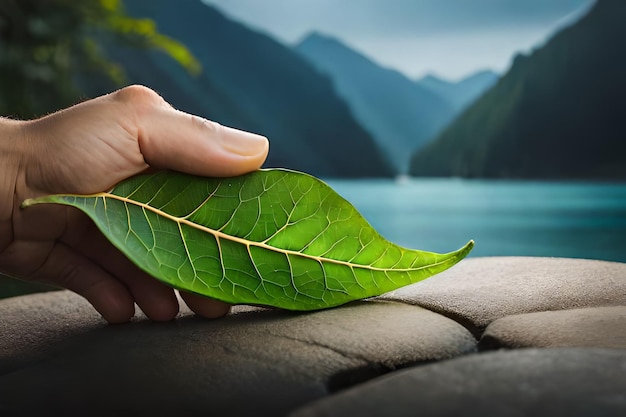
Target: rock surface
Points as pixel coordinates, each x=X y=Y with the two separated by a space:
x=58 y=357
x=525 y=382
x=252 y=362
x=587 y=327
x=480 y=290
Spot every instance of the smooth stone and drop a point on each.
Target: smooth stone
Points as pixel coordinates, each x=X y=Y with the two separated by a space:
x=57 y=357
x=478 y=291
x=525 y=382
x=586 y=327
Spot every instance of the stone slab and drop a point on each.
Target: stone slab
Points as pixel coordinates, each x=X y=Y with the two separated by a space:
x=478 y=291
x=586 y=327
x=31 y=326
x=520 y=383
x=57 y=357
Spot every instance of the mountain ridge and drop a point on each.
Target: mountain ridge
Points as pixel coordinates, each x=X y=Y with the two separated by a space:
x=556 y=114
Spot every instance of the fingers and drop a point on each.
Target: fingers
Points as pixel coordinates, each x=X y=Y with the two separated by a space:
x=70 y=270
x=171 y=139
x=201 y=147
x=204 y=306
x=156 y=300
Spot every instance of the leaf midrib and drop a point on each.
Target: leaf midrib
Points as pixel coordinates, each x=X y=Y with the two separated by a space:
x=248 y=243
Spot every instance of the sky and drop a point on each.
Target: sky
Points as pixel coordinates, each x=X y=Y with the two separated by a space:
x=448 y=38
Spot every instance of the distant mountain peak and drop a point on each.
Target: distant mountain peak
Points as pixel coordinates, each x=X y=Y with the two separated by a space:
x=431 y=77
x=463 y=92
x=316 y=36
x=476 y=75
x=400 y=114
x=318 y=41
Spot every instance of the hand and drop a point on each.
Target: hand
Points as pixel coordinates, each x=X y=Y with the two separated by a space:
x=86 y=149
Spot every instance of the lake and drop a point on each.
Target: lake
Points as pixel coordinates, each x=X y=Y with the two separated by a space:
x=579 y=220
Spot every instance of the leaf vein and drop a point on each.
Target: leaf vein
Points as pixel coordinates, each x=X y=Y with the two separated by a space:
x=221 y=235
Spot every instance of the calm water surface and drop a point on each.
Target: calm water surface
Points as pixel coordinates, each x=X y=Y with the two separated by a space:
x=580 y=220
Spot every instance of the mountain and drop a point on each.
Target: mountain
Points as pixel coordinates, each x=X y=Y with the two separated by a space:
x=400 y=114
x=462 y=93
x=557 y=113
x=252 y=82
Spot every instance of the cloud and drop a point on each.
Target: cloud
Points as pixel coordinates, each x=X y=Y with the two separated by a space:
x=452 y=56
x=291 y=18
x=405 y=33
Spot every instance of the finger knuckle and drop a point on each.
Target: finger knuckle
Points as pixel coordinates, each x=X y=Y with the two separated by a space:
x=138 y=95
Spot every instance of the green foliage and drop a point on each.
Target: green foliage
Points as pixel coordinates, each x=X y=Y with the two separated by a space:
x=48 y=47
x=273 y=237
x=556 y=114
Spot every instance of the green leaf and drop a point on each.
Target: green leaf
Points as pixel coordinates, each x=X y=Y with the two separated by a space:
x=273 y=237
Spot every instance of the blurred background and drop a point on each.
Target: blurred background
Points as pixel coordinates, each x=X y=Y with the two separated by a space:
x=440 y=120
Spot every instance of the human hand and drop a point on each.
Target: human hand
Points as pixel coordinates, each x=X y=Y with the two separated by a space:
x=86 y=149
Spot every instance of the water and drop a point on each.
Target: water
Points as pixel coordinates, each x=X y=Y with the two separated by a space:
x=578 y=220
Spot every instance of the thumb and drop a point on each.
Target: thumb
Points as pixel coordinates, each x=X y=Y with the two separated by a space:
x=172 y=139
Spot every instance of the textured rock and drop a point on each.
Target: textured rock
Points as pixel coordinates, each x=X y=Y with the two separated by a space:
x=57 y=357
x=32 y=325
x=480 y=290
x=586 y=327
x=526 y=382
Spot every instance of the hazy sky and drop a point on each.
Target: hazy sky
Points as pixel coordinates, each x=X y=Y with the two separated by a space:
x=451 y=38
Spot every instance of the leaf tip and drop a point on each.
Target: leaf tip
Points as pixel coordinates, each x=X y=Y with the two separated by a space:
x=464 y=251
x=468 y=247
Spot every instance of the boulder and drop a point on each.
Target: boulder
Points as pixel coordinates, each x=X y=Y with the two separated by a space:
x=478 y=291
x=519 y=383
x=57 y=357
x=585 y=327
